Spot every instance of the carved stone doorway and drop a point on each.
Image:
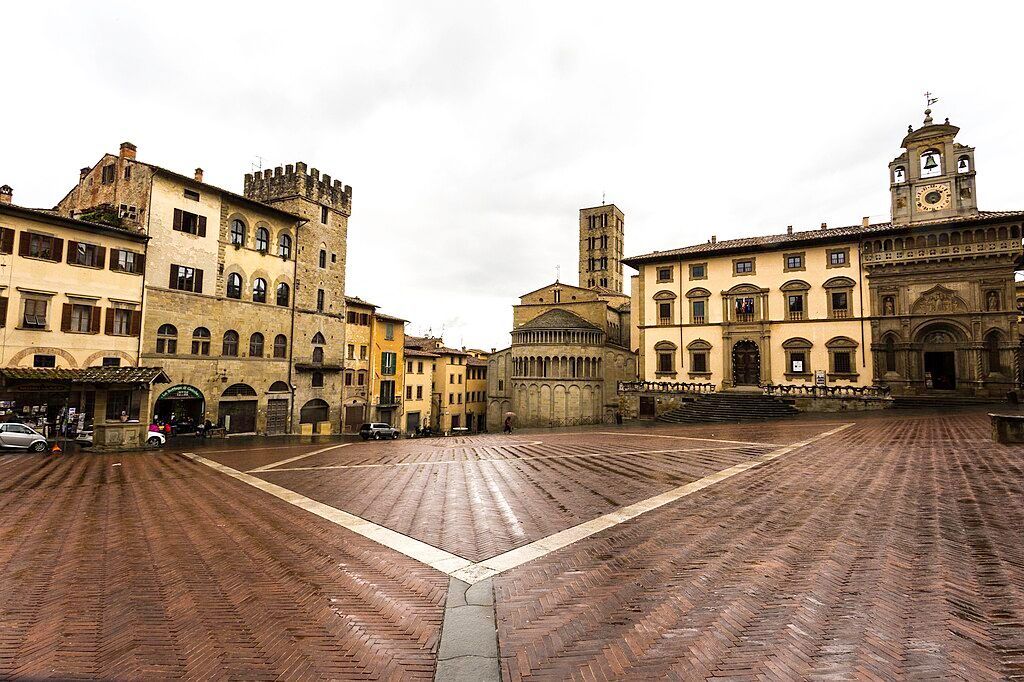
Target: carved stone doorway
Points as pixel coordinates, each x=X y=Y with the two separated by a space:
x=746 y=364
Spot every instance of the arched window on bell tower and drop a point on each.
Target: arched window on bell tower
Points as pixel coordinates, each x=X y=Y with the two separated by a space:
x=963 y=164
x=899 y=175
x=931 y=163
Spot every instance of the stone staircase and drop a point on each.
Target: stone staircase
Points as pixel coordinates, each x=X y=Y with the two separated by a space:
x=940 y=402
x=729 y=407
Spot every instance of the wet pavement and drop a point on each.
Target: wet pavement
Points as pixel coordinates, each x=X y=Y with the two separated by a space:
x=888 y=548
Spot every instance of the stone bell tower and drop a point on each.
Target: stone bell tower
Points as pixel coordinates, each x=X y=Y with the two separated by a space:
x=934 y=177
x=601 y=246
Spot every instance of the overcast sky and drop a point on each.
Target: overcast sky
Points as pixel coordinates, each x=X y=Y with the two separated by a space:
x=472 y=132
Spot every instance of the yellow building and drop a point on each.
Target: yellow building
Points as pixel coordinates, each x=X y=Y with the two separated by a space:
x=448 y=385
x=476 y=390
x=419 y=383
x=70 y=301
x=387 y=378
x=356 y=392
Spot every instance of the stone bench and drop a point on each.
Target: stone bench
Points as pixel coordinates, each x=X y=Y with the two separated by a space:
x=1007 y=428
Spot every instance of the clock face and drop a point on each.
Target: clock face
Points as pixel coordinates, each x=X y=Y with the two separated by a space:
x=933 y=198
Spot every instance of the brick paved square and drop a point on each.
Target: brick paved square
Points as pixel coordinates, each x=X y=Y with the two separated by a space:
x=887 y=546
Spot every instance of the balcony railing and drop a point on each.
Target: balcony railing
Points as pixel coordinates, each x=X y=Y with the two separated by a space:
x=796 y=315
x=664 y=320
x=388 y=401
x=664 y=387
x=745 y=317
x=840 y=314
x=804 y=390
x=697 y=319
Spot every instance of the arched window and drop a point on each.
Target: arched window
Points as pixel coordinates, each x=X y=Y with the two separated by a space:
x=167 y=339
x=238 y=391
x=890 y=354
x=237 y=232
x=201 y=341
x=323 y=258
x=318 y=339
x=992 y=341
x=262 y=239
x=931 y=163
x=278 y=387
x=284 y=246
x=259 y=290
x=318 y=355
x=283 y=294
x=280 y=346
x=314 y=411
x=256 y=345
x=234 y=285
x=230 y=346
x=963 y=165
x=899 y=175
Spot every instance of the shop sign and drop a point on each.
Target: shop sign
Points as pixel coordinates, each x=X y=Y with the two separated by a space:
x=181 y=392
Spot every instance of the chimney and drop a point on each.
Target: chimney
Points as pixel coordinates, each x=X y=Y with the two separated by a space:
x=128 y=150
x=82 y=172
x=865 y=221
x=824 y=226
x=714 y=239
x=789 y=229
x=199 y=174
x=6 y=193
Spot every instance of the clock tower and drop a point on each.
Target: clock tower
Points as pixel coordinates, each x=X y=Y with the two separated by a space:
x=934 y=176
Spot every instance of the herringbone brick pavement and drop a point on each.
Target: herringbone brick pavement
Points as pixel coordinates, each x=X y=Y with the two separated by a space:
x=894 y=550
x=151 y=566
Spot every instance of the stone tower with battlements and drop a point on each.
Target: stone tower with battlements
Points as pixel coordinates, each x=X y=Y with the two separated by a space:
x=601 y=245
x=320 y=255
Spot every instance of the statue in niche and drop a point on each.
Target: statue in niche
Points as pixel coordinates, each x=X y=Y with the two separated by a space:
x=888 y=306
x=992 y=302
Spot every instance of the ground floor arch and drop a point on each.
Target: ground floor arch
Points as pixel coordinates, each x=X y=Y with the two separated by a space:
x=315 y=416
x=183 y=406
x=746 y=363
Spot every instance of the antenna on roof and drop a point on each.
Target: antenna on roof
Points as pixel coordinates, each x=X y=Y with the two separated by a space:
x=602 y=197
x=930 y=99
x=258 y=166
x=558 y=273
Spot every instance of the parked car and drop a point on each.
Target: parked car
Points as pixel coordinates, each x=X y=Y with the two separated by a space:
x=18 y=436
x=377 y=431
x=154 y=439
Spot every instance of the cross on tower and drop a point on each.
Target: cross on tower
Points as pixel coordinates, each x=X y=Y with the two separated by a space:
x=558 y=273
x=929 y=99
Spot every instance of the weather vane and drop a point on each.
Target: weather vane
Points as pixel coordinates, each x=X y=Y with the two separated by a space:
x=558 y=273
x=930 y=99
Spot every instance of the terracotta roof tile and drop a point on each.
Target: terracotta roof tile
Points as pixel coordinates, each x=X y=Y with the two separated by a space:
x=88 y=375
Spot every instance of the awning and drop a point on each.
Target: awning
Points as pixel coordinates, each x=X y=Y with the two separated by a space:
x=86 y=375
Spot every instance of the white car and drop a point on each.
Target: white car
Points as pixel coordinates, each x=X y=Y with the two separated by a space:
x=18 y=436
x=154 y=439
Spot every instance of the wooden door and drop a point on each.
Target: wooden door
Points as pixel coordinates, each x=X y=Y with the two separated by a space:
x=746 y=364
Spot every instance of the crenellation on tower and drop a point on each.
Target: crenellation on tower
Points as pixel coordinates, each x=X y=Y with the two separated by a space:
x=298 y=180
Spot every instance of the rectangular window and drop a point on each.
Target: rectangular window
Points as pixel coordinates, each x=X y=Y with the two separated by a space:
x=120 y=321
x=44 y=360
x=841 y=362
x=840 y=304
x=108 y=173
x=699 y=271
x=459 y=396
x=699 y=363
x=419 y=367
x=408 y=392
x=320 y=300
x=348 y=378
x=360 y=378
x=389 y=331
x=362 y=352
x=419 y=393
x=191 y=223
x=88 y=255
x=351 y=351
x=184 y=278
x=408 y=367
x=364 y=319
x=664 y=274
x=837 y=258
x=664 y=313
x=6 y=240
x=40 y=246
x=501 y=384
x=744 y=309
x=797 y=362
x=350 y=317
x=35 y=313
x=81 y=318
x=794 y=261
x=192 y=195
x=388 y=362
x=698 y=309
x=123 y=405
x=666 y=362
x=122 y=260
x=795 y=306
x=323 y=215
x=743 y=267
x=111 y=362
x=451 y=398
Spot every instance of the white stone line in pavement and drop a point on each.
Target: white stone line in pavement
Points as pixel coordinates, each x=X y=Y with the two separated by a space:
x=439 y=559
x=662 y=435
x=516 y=557
x=504 y=459
x=267 y=467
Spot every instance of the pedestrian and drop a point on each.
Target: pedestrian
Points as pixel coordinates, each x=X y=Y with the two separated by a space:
x=618 y=417
x=508 y=424
x=207 y=428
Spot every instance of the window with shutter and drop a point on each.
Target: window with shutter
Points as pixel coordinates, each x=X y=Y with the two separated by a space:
x=3 y=311
x=6 y=240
